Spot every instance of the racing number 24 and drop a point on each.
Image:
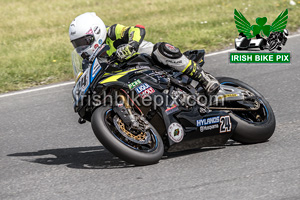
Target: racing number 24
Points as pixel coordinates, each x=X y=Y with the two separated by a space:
x=225 y=124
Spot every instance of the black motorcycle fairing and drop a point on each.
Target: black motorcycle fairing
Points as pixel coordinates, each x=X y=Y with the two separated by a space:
x=197 y=138
x=138 y=61
x=161 y=82
x=186 y=117
x=157 y=80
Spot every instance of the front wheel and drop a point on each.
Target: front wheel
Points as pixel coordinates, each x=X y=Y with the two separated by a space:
x=273 y=45
x=143 y=148
x=253 y=126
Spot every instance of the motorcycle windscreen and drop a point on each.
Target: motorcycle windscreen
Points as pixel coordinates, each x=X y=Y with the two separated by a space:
x=77 y=64
x=85 y=78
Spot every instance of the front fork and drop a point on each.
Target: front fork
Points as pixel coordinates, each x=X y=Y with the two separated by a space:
x=127 y=112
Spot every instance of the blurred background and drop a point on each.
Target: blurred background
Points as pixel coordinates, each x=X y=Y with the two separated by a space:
x=34 y=41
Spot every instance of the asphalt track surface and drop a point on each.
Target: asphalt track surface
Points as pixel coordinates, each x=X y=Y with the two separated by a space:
x=46 y=154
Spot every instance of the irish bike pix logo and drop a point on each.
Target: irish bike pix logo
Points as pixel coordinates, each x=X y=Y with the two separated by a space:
x=260 y=43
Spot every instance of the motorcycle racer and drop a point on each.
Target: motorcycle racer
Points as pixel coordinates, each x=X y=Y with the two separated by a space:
x=88 y=32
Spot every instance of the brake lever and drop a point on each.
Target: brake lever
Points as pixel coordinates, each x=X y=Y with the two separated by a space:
x=113 y=58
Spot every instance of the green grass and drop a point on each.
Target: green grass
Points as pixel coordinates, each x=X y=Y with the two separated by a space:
x=34 y=41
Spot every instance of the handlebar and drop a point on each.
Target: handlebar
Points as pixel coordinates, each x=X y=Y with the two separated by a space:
x=112 y=59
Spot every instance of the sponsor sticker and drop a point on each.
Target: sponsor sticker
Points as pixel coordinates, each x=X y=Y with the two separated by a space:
x=97 y=30
x=72 y=28
x=147 y=92
x=174 y=61
x=90 y=32
x=209 y=127
x=134 y=84
x=144 y=90
x=171 y=48
x=120 y=105
x=227 y=95
x=175 y=132
x=208 y=123
x=96 y=68
x=171 y=109
x=222 y=122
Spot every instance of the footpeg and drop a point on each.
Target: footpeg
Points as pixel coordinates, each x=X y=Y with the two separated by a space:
x=81 y=121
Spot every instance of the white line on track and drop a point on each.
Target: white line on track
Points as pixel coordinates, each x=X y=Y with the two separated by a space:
x=36 y=89
x=292 y=36
x=217 y=53
x=72 y=82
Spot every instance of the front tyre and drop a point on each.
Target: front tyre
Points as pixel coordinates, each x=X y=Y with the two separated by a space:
x=136 y=153
x=273 y=45
x=253 y=126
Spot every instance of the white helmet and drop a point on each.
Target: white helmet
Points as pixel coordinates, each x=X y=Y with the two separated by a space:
x=87 y=33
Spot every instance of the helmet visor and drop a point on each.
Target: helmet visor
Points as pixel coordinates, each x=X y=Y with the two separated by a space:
x=82 y=43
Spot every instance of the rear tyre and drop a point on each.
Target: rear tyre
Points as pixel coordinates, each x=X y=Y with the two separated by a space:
x=248 y=130
x=124 y=149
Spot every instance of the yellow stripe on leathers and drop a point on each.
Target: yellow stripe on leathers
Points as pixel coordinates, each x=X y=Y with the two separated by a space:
x=115 y=77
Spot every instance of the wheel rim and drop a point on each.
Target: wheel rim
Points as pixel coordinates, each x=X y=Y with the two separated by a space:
x=149 y=144
x=259 y=116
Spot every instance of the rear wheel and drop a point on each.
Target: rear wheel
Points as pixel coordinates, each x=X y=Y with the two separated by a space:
x=140 y=148
x=253 y=126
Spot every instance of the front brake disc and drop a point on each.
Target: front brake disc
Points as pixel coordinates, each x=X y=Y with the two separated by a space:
x=141 y=138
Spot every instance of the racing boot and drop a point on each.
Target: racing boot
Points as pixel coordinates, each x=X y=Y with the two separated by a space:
x=167 y=55
x=210 y=84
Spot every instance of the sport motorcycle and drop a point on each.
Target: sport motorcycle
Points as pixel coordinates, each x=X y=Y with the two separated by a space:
x=138 y=110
